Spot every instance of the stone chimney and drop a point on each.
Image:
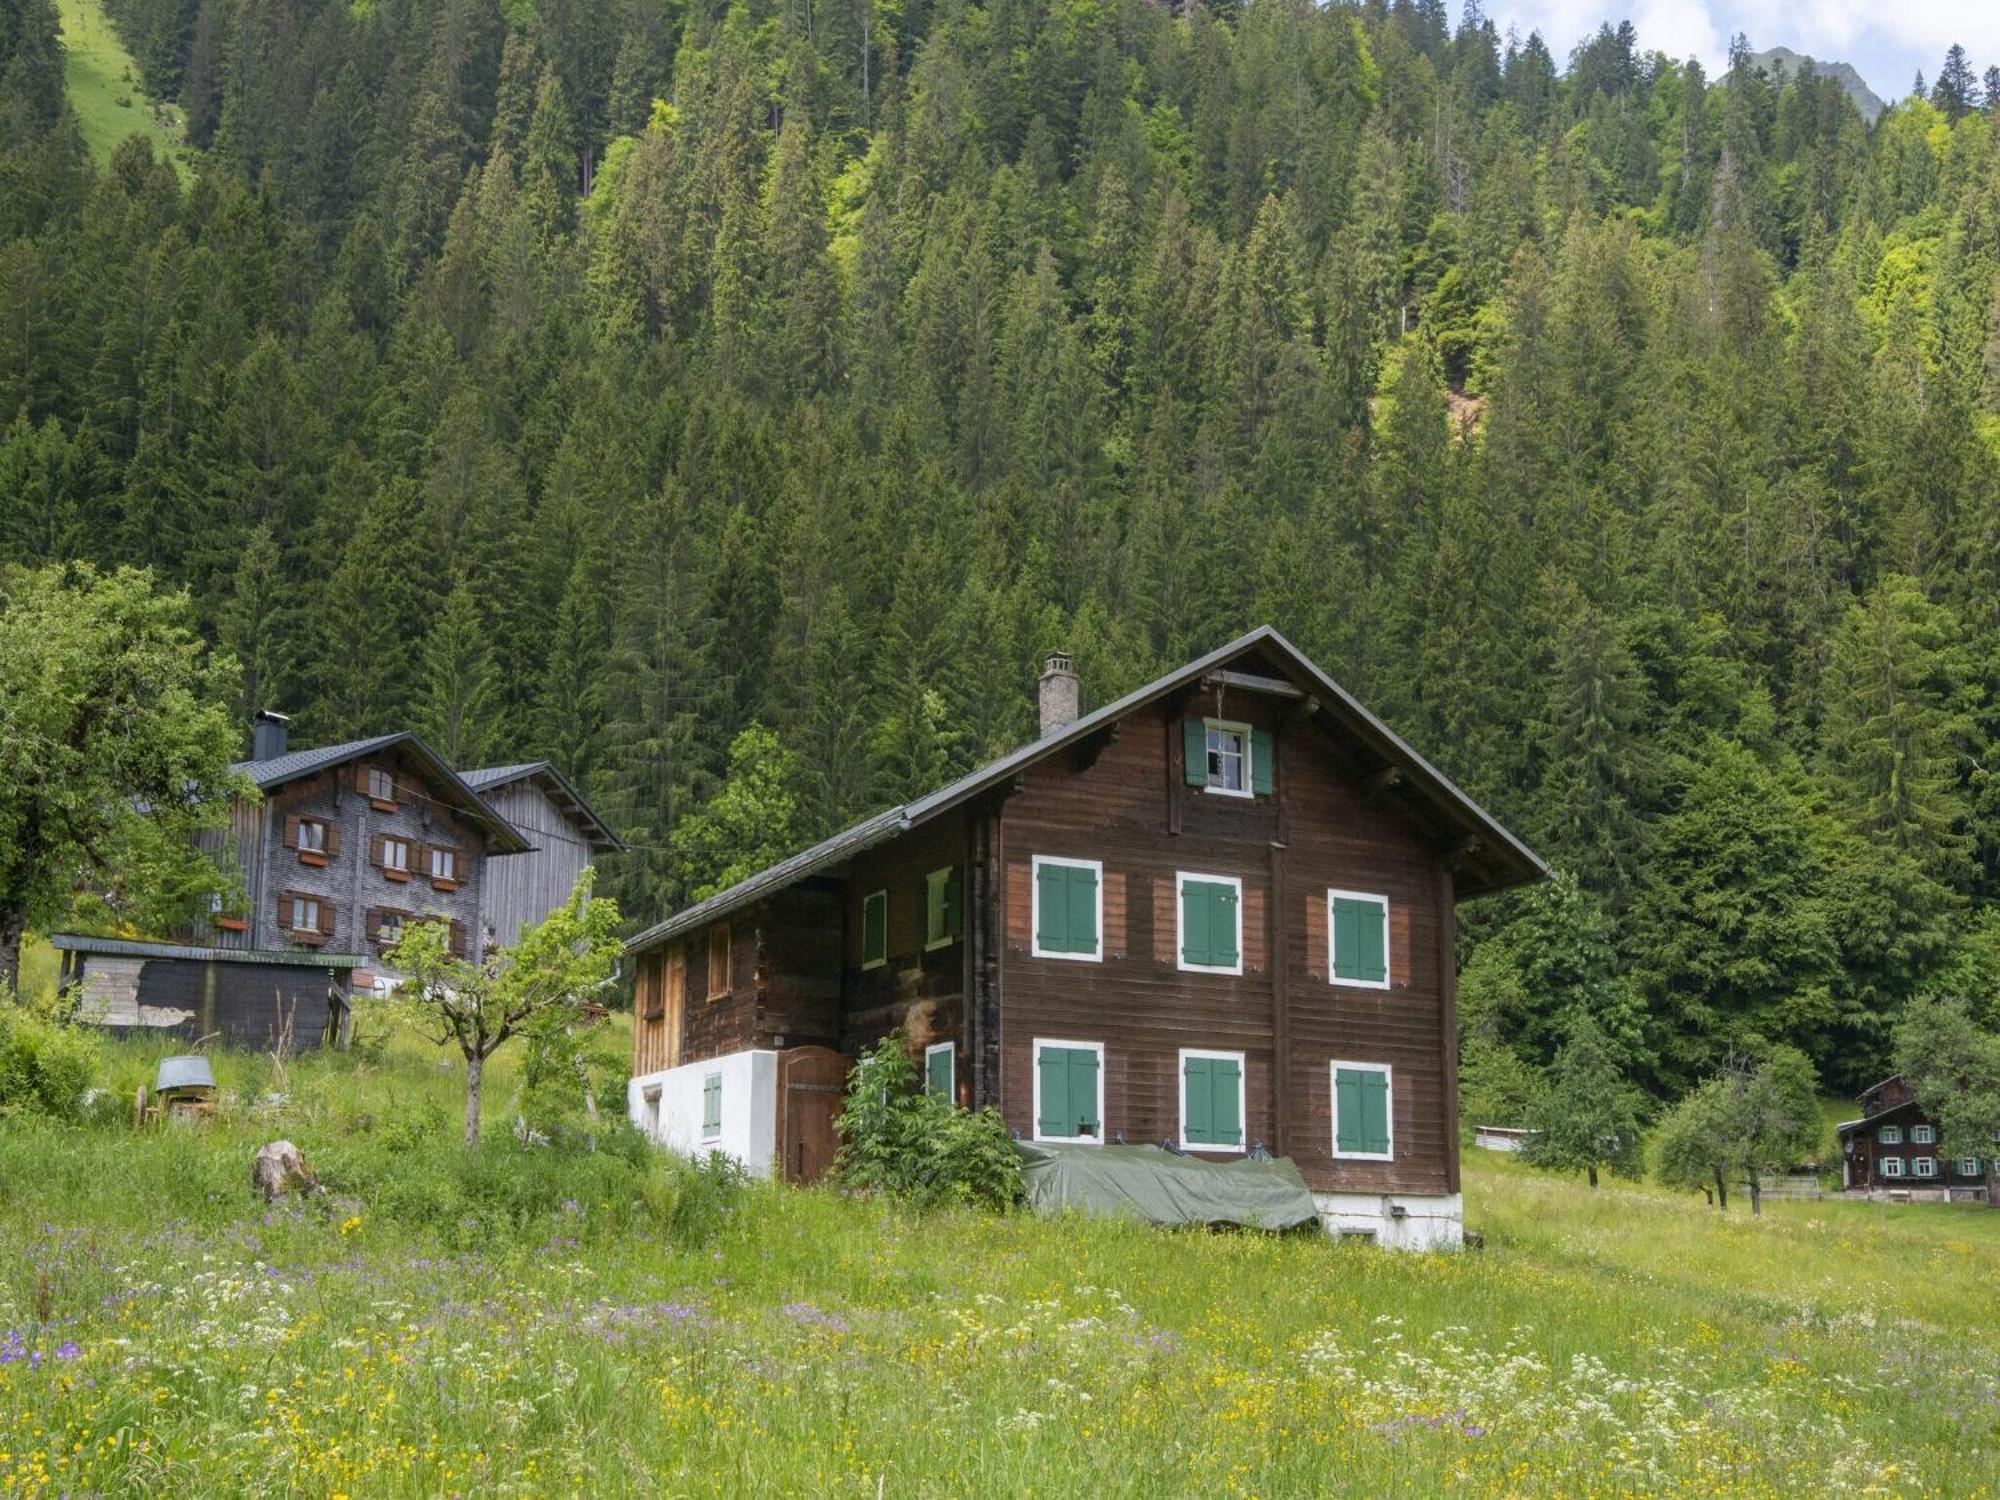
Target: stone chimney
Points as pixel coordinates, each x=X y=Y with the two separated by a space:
x=1058 y=692
x=269 y=733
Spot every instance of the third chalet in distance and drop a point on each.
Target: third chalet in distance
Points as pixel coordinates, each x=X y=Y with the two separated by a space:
x=1219 y=911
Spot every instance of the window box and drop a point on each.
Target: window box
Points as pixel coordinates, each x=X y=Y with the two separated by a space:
x=312 y=857
x=399 y=876
x=1364 y=1117
x=1068 y=908
x=1069 y=1092
x=941 y=1071
x=233 y=924
x=1357 y=939
x=1212 y=1101
x=443 y=885
x=874 y=929
x=1210 y=935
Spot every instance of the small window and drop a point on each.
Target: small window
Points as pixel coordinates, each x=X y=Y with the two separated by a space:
x=1923 y=1135
x=396 y=855
x=444 y=863
x=381 y=785
x=1889 y=1135
x=1923 y=1166
x=941 y=1071
x=711 y=1106
x=312 y=836
x=1069 y=1092
x=389 y=932
x=1228 y=758
x=1068 y=904
x=1892 y=1166
x=1357 y=936
x=1212 y=1100
x=1968 y=1166
x=874 y=929
x=942 y=902
x=718 y=960
x=1363 y=1119
x=305 y=914
x=1211 y=923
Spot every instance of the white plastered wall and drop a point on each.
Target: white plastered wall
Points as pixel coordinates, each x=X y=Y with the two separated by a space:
x=749 y=1107
x=1425 y=1222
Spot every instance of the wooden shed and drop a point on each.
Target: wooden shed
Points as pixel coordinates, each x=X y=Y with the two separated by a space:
x=244 y=997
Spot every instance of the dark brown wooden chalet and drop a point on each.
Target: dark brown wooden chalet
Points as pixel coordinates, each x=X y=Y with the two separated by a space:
x=1892 y=1150
x=1217 y=912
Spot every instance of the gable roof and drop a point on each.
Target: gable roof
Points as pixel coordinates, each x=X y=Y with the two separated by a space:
x=294 y=764
x=1504 y=860
x=560 y=790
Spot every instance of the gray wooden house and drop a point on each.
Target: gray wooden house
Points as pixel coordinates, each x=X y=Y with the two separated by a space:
x=566 y=835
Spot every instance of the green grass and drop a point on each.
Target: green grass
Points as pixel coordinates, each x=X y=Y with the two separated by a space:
x=532 y=1323
x=103 y=84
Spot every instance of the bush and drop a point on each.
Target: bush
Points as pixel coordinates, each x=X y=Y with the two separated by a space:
x=45 y=1066
x=898 y=1140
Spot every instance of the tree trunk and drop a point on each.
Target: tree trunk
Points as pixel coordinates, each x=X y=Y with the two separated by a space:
x=1591 y=1172
x=1992 y=1182
x=11 y=928
x=475 y=1067
x=1756 y=1196
x=1721 y=1192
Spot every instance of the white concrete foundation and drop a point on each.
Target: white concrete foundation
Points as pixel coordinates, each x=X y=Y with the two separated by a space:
x=1400 y=1221
x=668 y=1106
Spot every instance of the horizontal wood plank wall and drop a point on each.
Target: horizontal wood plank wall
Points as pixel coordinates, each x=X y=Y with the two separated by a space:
x=1145 y=1009
x=798 y=971
x=922 y=992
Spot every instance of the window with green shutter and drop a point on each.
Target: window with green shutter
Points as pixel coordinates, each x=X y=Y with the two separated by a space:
x=1361 y=1112
x=940 y=1069
x=874 y=930
x=1068 y=911
x=1069 y=1091
x=1212 y=1100
x=1358 y=938
x=1231 y=759
x=711 y=1106
x=943 y=901
x=1212 y=923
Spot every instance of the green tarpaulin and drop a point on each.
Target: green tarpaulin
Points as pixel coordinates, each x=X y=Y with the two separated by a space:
x=1147 y=1182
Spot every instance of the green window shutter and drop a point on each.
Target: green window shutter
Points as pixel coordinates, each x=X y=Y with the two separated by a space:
x=954 y=903
x=1347 y=1110
x=1052 y=901
x=1225 y=1118
x=1362 y=1110
x=1194 y=922
x=1375 y=1111
x=1194 y=737
x=1260 y=762
x=1360 y=940
x=711 y=1105
x=875 y=927
x=1208 y=924
x=1083 y=1093
x=938 y=1081
x=1222 y=926
x=1199 y=1127
x=1082 y=910
x=924 y=910
x=1052 y=1067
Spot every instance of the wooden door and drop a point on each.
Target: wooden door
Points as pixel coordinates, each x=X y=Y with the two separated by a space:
x=810 y=1080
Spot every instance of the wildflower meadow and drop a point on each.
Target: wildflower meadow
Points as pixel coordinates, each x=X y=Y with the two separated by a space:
x=525 y=1321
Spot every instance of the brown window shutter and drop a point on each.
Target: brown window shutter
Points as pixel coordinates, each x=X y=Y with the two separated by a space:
x=371 y=921
x=292 y=831
x=420 y=858
x=326 y=917
x=361 y=779
x=457 y=939
x=332 y=839
x=375 y=843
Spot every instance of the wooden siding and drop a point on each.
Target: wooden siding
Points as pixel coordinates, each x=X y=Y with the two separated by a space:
x=677 y=1018
x=1144 y=1009
x=521 y=889
x=922 y=992
x=245 y=1004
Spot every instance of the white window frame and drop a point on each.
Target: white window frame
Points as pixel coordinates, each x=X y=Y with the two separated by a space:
x=1923 y=1166
x=868 y=963
x=1388 y=949
x=1923 y=1135
x=1035 y=948
x=1242 y=1099
x=1181 y=878
x=1333 y=1109
x=1888 y=1135
x=1243 y=734
x=312 y=836
x=390 y=844
x=450 y=856
x=303 y=901
x=951 y=1094
x=1891 y=1166
x=1103 y=1126
x=936 y=884
x=1969 y=1166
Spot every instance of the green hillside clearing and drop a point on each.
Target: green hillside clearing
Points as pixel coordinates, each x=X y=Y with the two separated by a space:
x=530 y=1323
x=104 y=88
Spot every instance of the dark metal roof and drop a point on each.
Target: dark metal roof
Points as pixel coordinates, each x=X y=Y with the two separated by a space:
x=560 y=790
x=1517 y=863
x=299 y=958
x=293 y=764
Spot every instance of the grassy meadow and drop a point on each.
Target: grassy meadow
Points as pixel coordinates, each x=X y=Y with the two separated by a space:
x=527 y=1322
x=103 y=84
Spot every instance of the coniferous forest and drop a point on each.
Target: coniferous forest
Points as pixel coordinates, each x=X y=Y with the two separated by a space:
x=732 y=403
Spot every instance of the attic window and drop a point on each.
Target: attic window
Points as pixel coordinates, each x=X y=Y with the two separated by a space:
x=312 y=836
x=1228 y=758
x=381 y=785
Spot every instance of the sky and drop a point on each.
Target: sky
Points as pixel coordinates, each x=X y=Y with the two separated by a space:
x=1886 y=40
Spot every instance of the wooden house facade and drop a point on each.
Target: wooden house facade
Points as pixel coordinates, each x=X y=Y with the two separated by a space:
x=1892 y=1151
x=565 y=834
x=1218 y=913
